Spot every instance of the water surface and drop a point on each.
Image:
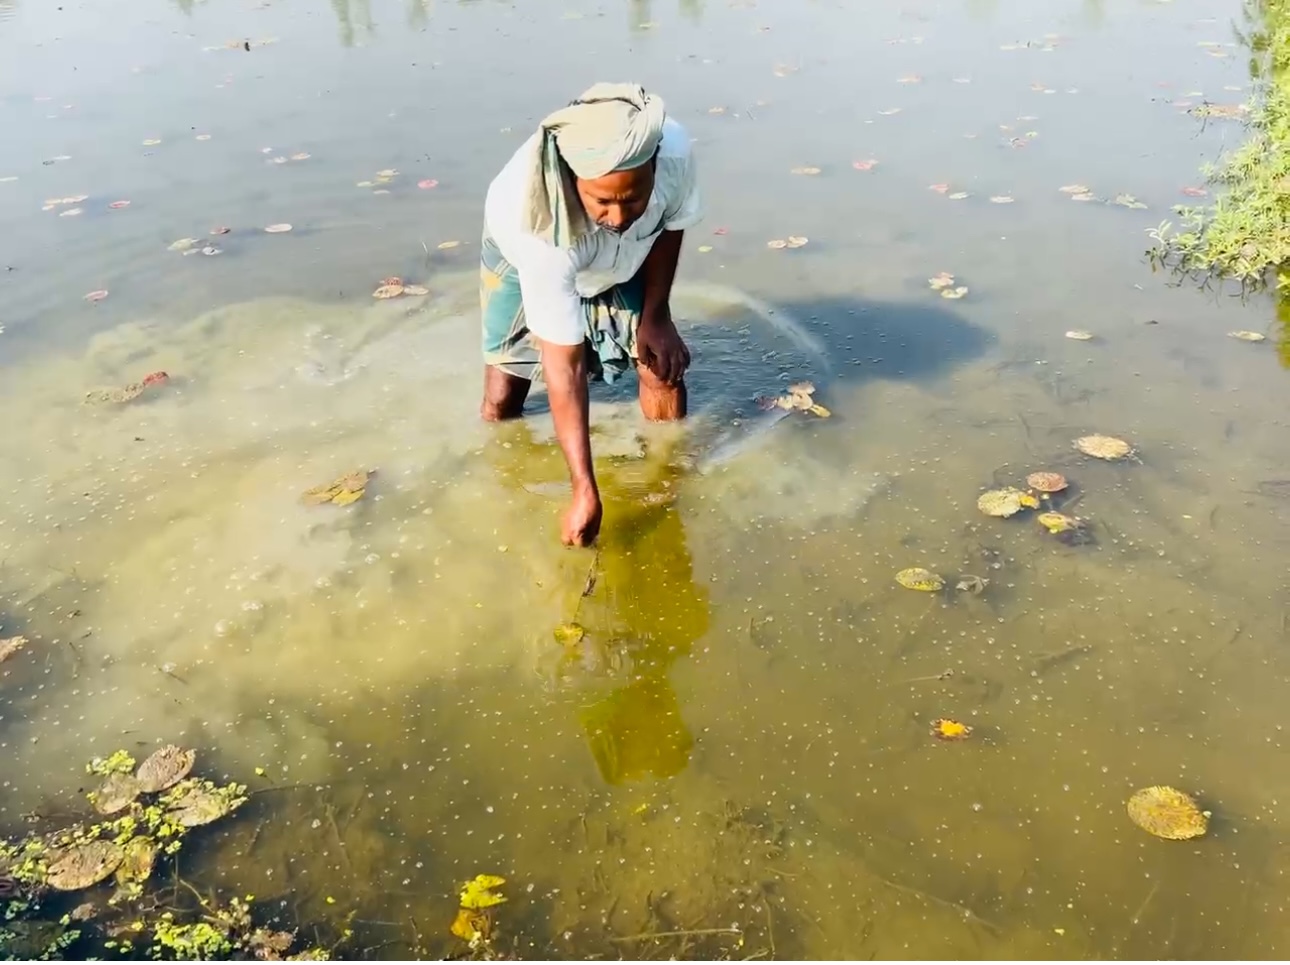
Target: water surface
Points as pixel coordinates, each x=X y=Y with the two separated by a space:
x=742 y=740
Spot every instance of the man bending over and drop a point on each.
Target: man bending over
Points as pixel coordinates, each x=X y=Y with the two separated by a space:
x=582 y=234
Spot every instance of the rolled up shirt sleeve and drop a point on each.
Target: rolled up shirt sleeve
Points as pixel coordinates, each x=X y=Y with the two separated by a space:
x=687 y=211
x=552 y=307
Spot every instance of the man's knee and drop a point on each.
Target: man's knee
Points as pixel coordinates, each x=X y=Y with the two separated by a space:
x=504 y=395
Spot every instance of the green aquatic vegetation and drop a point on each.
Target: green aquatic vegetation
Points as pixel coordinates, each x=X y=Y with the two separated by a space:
x=1244 y=236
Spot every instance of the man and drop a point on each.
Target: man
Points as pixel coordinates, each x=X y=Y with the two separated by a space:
x=582 y=234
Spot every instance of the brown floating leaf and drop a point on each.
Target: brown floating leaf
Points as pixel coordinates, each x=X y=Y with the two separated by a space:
x=388 y=291
x=165 y=768
x=81 y=865
x=116 y=793
x=140 y=854
x=193 y=803
x=11 y=645
x=343 y=491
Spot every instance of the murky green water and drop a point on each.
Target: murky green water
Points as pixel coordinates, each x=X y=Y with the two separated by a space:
x=742 y=740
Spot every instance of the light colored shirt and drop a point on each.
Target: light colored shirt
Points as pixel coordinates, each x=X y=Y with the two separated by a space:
x=553 y=281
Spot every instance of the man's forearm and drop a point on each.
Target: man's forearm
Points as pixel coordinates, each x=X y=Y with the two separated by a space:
x=658 y=273
x=564 y=369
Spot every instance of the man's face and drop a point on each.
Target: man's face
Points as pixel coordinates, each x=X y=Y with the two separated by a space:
x=615 y=201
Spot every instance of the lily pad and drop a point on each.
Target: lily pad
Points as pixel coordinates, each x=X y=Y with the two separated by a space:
x=81 y=865
x=139 y=856
x=192 y=803
x=569 y=634
x=1004 y=502
x=1247 y=336
x=165 y=768
x=388 y=291
x=954 y=293
x=183 y=244
x=116 y=793
x=1079 y=335
x=796 y=241
x=480 y=892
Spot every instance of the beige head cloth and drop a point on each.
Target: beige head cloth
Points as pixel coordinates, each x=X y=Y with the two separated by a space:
x=610 y=127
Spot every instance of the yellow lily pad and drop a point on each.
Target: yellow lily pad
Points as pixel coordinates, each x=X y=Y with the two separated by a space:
x=918 y=578
x=569 y=634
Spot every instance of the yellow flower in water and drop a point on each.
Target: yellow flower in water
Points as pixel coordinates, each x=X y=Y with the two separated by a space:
x=950 y=730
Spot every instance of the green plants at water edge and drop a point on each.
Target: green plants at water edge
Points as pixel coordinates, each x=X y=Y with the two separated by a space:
x=1244 y=236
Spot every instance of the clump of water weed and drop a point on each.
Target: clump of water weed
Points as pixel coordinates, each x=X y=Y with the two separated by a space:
x=87 y=889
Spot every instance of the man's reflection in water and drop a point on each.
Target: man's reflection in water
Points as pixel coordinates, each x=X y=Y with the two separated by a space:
x=648 y=611
x=641 y=609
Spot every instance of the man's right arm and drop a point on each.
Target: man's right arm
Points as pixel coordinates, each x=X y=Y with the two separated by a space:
x=555 y=316
x=564 y=368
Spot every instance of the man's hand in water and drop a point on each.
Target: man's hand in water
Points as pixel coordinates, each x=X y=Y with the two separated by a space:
x=565 y=369
x=581 y=522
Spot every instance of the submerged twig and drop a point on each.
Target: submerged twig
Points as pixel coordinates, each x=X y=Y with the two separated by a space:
x=679 y=933
x=967 y=913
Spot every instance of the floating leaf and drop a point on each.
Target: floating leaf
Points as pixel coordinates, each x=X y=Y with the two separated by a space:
x=116 y=793
x=918 y=578
x=950 y=730
x=152 y=142
x=1073 y=189
x=70 y=212
x=704 y=249
x=192 y=803
x=796 y=241
x=777 y=243
x=1087 y=196
x=1246 y=336
x=363 y=184
x=427 y=184
x=165 y=768
x=957 y=195
x=805 y=170
x=203 y=137
x=446 y=245
x=388 y=291
x=220 y=230
x=183 y=244
x=1103 y=447
x=415 y=290
x=478 y=893
x=1192 y=192
x=343 y=491
x=1079 y=335
x=909 y=79
x=117 y=205
x=210 y=251
x=82 y=865
x=891 y=110
x=1001 y=502
x=387 y=173
x=1128 y=201
x=96 y=296
x=716 y=110
x=280 y=159
x=721 y=231
x=569 y=634
x=1001 y=199
x=865 y=165
x=11 y=645
x=943 y=280
x=300 y=156
x=277 y=229
x=954 y=293
x=939 y=188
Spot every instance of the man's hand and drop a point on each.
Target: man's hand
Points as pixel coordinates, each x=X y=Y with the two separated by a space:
x=661 y=349
x=582 y=519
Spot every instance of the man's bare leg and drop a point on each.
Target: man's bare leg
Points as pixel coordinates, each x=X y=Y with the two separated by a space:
x=504 y=395
x=660 y=402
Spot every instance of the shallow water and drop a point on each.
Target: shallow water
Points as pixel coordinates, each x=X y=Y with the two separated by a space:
x=742 y=740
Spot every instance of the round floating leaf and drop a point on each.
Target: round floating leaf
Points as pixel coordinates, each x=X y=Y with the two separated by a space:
x=1103 y=447
x=192 y=803
x=116 y=793
x=139 y=856
x=1167 y=813
x=165 y=768
x=1079 y=335
x=81 y=865
x=918 y=578
x=277 y=229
